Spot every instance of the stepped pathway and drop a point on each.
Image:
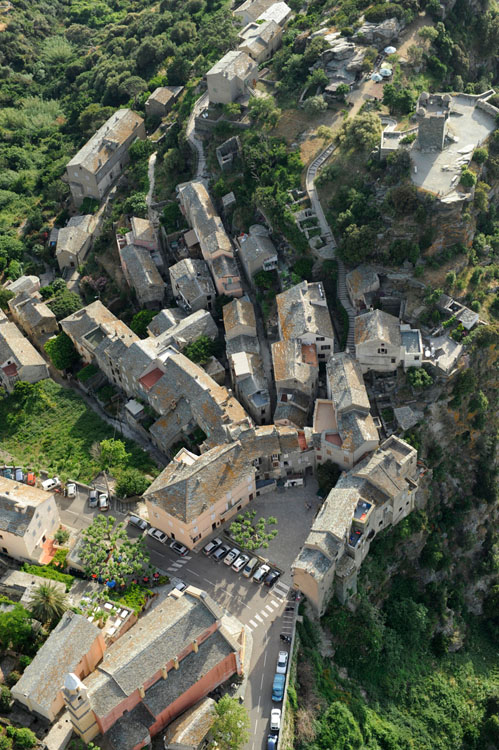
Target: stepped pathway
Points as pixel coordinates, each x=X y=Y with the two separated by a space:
x=312 y=171
x=195 y=142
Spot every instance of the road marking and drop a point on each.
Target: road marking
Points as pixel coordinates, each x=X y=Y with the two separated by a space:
x=265 y=614
x=257 y=617
x=264 y=659
x=253 y=624
x=207 y=581
x=274 y=603
x=187 y=558
x=261 y=682
x=270 y=609
x=193 y=573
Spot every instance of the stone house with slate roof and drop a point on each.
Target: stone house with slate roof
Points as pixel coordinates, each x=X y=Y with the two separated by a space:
x=231 y=77
x=99 y=163
x=173 y=657
x=19 y=360
x=360 y=283
x=378 y=492
x=75 y=645
x=28 y=517
x=34 y=316
x=303 y=314
x=192 y=285
x=344 y=430
x=382 y=343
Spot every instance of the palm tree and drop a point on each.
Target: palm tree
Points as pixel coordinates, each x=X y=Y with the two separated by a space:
x=48 y=603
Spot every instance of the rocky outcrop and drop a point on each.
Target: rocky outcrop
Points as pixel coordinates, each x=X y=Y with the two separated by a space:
x=379 y=34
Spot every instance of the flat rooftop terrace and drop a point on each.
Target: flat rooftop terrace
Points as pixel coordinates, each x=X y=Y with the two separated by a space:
x=439 y=171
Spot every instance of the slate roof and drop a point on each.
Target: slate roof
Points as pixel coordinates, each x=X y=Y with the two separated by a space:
x=336 y=513
x=287 y=359
x=377 y=326
x=314 y=562
x=167 y=318
x=239 y=312
x=361 y=280
x=185 y=490
x=300 y=311
x=61 y=653
x=254 y=7
x=14 y=346
x=256 y=248
x=203 y=218
x=234 y=64
x=224 y=266
x=191 y=670
x=156 y=639
x=249 y=344
x=143 y=230
x=166 y=429
x=18 y=505
x=355 y=429
x=163 y=94
x=142 y=271
x=99 y=325
x=71 y=240
x=290 y=411
x=116 y=130
x=346 y=384
x=192 y=727
x=199 y=323
x=131 y=729
x=193 y=278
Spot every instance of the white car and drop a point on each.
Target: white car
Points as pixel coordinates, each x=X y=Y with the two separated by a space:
x=261 y=573
x=138 y=522
x=275 y=720
x=232 y=556
x=71 y=489
x=282 y=662
x=160 y=536
x=51 y=484
x=240 y=563
x=103 y=501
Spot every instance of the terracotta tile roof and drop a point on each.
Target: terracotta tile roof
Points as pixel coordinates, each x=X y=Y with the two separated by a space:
x=151 y=378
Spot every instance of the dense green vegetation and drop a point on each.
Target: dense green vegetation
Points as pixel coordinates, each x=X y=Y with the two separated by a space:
x=48 y=426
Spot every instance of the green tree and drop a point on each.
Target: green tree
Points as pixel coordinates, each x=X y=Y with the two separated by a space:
x=468 y=178
x=315 y=104
x=131 y=482
x=65 y=303
x=362 y=133
x=61 y=351
x=5 y=296
x=418 y=377
x=338 y=729
x=263 y=110
x=230 y=725
x=24 y=739
x=48 y=604
x=450 y=279
x=15 y=628
x=140 y=321
x=480 y=155
x=92 y=117
x=264 y=279
x=108 y=553
x=481 y=199
x=251 y=535
x=135 y=205
x=15 y=270
x=5 y=699
x=200 y=350
x=428 y=33
x=112 y=453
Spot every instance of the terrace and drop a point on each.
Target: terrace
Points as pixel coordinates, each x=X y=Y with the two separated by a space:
x=355 y=537
x=362 y=511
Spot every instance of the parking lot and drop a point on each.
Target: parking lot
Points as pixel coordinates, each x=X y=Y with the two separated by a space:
x=266 y=612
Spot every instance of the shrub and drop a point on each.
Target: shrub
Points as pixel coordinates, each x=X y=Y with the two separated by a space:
x=87 y=372
x=61 y=536
x=25 y=739
x=13 y=677
x=24 y=661
x=480 y=155
x=131 y=482
x=5 y=699
x=45 y=571
x=468 y=178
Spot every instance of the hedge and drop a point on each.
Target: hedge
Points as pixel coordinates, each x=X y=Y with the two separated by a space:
x=45 y=571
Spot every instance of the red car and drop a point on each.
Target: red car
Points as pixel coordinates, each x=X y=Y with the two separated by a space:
x=31 y=478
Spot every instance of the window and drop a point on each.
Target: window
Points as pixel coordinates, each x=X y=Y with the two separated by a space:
x=319 y=338
x=321 y=356
x=4 y=549
x=393 y=360
x=195 y=538
x=416 y=357
x=382 y=350
x=208 y=297
x=326 y=346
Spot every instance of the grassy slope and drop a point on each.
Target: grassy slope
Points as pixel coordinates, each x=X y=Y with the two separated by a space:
x=56 y=431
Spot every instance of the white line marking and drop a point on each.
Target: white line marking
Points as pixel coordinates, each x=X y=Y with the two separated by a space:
x=265 y=614
x=270 y=609
x=257 y=617
x=261 y=685
x=274 y=603
x=264 y=659
x=193 y=573
x=187 y=558
x=253 y=624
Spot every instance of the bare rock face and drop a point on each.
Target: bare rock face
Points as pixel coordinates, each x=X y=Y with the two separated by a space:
x=379 y=34
x=355 y=64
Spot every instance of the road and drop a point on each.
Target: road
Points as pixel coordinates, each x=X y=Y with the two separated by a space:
x=194 y=141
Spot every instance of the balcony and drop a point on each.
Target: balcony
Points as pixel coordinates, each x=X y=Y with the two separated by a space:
x=362 y=511
x=355 y=538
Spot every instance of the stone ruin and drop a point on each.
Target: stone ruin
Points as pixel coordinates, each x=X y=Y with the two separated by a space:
x=432 y=114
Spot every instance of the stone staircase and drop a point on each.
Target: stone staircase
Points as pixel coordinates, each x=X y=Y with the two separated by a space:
x=312 y=172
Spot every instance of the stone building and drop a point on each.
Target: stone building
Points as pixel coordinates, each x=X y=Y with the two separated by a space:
x=432 y=114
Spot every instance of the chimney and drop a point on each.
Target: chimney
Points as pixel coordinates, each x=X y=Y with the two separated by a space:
x=164 y=672
x=175 y=663
x=142 y=692
x=195 y=645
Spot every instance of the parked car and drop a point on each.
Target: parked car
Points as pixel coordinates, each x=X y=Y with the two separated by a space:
x=19 y=475
x=249 y=568
x=240 y=563
x=51 y=484
x=220 y=552
x=8 y=472
x=93 y=498
x=278 y=688
x=181 y=586
x=138 y=522
x=179 y=548
x=30 y=478
x=275 y=720
x=103 y=501
x=272 y=742
x=271 y=577
x=209 y=548
x=71 y=489
x=261 y=573
x=282 y=662
x=232 y=556
x=160 y=536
